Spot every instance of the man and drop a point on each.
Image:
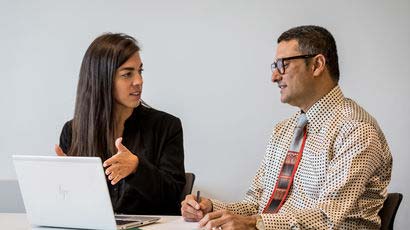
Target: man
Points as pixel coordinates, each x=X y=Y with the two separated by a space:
x=326 y=167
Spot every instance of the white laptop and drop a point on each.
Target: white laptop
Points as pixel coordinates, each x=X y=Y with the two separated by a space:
x=69 y=192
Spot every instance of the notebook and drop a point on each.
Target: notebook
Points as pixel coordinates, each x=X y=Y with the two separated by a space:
x=69 y=192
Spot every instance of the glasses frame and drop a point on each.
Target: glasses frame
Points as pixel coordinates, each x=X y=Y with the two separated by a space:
x=280 y=65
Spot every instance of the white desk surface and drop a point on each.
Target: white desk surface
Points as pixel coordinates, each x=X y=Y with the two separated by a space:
x=18 y=221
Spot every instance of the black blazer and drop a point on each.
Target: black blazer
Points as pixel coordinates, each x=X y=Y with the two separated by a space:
x=155 y=188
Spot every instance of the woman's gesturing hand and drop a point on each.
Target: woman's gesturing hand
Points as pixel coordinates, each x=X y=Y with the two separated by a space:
x=121 y=164
x=59 y=151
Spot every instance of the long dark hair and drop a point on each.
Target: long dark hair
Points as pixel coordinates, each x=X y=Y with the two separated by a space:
x=93 y=123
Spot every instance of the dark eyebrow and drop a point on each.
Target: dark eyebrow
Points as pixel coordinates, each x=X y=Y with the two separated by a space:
x=130 y=68
x=127 y=68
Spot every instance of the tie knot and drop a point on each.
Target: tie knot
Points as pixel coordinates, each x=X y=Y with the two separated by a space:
x=302 y=121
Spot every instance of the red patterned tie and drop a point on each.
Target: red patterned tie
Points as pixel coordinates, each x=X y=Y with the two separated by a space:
x=289 y=167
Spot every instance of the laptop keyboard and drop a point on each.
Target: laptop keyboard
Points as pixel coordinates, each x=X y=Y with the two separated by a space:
x=133 y=217
x=122 y=222
x=122 y=219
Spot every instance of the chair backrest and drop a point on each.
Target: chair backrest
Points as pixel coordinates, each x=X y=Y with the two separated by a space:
x=190 y=179
x=389 y=210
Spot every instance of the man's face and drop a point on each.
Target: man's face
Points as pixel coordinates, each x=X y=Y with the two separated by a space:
x=296 y=83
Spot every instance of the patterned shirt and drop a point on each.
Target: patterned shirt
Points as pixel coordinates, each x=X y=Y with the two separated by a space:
x=342 y=178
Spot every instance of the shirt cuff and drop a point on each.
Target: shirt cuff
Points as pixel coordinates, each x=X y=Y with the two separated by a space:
x=277 y=221
x=218 y=205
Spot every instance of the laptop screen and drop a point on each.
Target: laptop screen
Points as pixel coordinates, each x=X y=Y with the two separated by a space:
x=65 y=192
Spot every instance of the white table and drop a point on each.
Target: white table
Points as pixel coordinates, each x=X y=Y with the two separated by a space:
x=18 y=221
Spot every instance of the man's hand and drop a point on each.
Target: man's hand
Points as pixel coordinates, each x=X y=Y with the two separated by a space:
x=223 y=219
x=121 y=164
x=59 y=151
x=193 y=211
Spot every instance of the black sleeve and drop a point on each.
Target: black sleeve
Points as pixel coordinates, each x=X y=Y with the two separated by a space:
x=161 y=184
x=65 y=137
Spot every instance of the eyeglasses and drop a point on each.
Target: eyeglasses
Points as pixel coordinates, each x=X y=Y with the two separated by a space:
x=279 y=63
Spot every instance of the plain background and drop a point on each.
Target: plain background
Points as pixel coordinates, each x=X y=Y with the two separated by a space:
x=207 y=62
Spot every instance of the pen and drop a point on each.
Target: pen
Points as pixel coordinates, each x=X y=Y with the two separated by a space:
x=198 y=193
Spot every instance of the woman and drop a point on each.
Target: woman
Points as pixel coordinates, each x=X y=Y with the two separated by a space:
x=142 y=148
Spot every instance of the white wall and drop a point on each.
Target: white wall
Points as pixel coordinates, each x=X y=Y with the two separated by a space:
x=207 y=62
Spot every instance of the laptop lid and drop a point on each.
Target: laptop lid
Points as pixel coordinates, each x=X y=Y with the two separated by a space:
x=65 y=192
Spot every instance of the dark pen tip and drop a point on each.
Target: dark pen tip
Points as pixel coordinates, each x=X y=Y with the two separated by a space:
x=198 y=196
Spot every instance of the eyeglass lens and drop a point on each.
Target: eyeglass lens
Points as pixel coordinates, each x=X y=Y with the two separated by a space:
x=278 y=64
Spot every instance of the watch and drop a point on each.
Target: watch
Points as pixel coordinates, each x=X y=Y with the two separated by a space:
x=259 y=223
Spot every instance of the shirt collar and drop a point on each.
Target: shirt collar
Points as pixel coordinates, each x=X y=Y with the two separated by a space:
x=321 y=111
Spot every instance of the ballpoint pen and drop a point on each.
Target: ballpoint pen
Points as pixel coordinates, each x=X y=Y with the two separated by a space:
x=198 y=194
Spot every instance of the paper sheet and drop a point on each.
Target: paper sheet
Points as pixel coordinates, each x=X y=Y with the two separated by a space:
x=179 y=224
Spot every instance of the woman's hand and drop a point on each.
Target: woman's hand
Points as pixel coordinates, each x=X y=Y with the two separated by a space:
x=121 y=164
x=59 y=151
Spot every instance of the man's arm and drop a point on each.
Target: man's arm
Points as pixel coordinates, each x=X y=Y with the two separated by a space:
x=250 y=204
x=193 y=210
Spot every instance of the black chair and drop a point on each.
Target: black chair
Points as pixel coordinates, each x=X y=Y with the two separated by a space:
x=190 y=179
x=389 y=210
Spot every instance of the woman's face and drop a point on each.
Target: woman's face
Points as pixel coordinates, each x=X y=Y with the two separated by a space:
x=128 y=83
